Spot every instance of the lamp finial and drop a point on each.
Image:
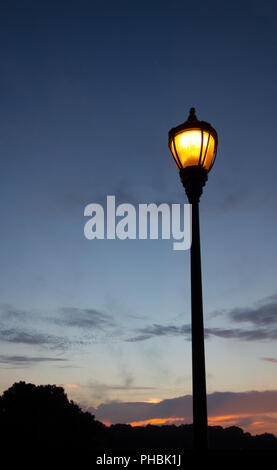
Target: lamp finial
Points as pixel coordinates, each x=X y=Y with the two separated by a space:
x=192 y=116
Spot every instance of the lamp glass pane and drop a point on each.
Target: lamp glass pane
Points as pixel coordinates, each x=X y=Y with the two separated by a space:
x=188 y=146
x=210 y=152
x=174 y=153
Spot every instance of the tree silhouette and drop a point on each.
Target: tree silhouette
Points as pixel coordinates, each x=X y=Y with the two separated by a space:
x=42 y=416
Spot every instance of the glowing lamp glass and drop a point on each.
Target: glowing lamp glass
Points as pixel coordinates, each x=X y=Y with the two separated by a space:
x=192 y=147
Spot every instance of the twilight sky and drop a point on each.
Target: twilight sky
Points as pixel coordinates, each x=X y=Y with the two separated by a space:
x=89 y=90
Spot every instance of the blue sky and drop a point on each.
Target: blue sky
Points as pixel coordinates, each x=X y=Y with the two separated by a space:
x=89 y=91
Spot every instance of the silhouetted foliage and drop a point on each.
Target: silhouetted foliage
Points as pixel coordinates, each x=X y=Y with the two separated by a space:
x=42 y=417
x=171 y=437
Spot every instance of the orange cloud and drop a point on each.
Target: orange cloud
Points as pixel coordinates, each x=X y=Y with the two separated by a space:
x=255 y=424
x=255 y=412
x=152 y=400
x=155 y=421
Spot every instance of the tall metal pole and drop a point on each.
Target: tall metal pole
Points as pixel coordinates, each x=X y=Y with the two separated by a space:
x=197 y=331
x=193 y=179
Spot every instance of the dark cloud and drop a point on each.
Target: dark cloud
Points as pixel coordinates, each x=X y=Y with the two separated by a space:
x=160 y=330
x=67 y=316
x=219 y=404
x=25 y=327
x=95 y=322
x=14 y=335
x=20 y=336
x=120 y=412
x=135 y=339
x=84 y=318
x=184 y=331
x=264 y=314
x=242 y=334
x=28 y=360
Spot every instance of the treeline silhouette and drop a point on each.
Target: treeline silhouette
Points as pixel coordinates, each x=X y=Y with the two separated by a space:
x=42 y=417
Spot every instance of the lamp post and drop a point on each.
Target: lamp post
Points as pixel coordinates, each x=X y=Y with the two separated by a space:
x=193 y=145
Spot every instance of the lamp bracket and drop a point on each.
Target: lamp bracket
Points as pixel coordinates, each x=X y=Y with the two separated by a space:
x=194 y=179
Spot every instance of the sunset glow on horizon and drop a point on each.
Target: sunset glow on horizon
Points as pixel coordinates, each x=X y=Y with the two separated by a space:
x=255 y=427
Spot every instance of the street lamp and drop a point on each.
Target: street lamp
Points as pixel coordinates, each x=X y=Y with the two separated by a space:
x=193 y=145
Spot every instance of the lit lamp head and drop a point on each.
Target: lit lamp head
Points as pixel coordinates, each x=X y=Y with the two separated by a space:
x=193 y=145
